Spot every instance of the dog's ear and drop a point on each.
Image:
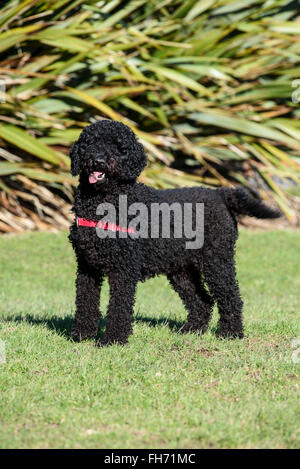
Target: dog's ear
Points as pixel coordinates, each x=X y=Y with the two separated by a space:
x=133 y=161
x=75 y=156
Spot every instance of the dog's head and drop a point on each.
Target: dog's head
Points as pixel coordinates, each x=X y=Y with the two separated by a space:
x=107 y=150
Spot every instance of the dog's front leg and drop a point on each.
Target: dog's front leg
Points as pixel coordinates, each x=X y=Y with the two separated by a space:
x=120 y=309
x=88 y=283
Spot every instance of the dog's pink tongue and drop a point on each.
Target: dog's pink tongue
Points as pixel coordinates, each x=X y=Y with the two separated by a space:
x=93 y=177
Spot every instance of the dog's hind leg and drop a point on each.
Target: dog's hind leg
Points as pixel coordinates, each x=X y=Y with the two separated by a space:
x=198 y=302
x=120 y=308
x=88 y=283
x=220 y=276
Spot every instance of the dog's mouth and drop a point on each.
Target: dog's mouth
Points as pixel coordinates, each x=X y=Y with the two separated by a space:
x=96 y=176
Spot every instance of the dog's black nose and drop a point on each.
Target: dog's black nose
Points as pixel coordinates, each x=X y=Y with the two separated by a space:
x=100 y=159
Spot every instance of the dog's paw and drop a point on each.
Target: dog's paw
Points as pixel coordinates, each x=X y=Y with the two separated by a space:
x=225 y=334
x=78 y=335
x=107 y=341
x=193 y=329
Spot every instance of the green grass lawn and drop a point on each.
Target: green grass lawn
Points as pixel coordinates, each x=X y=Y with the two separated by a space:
x=163 y=390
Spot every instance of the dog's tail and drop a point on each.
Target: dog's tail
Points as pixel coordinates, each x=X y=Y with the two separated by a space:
x=240 y=202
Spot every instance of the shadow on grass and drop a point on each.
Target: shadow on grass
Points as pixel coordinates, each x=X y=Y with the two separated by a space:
x=58 y=324
x=63 y=325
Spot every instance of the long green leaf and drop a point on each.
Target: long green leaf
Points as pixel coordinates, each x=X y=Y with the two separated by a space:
x=31 y=145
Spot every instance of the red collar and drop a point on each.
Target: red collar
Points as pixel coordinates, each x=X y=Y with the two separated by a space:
x=85 y=222
x=105 y=226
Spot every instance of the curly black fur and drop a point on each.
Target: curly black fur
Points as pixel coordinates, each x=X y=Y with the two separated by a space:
x=200 y=277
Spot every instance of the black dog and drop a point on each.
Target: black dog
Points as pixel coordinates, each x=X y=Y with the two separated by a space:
x=109 y=159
